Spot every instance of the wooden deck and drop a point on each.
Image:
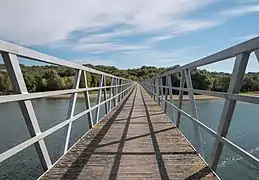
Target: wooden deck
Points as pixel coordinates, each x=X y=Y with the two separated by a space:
x=134 y=141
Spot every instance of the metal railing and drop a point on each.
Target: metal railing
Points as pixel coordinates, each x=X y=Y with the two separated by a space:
x=119 y=89
x=160 y=87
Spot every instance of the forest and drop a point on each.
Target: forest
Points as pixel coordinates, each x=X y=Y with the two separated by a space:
x=46 y=78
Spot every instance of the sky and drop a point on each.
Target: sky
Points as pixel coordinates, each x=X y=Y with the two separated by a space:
x=131 y=33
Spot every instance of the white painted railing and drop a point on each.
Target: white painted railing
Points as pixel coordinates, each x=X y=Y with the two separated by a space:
x=119 y=89
x=163 y=83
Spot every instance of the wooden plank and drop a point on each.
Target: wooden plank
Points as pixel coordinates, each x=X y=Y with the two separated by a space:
x=134 y=141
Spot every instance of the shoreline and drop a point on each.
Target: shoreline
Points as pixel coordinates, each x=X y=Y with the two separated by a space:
x=175 y=97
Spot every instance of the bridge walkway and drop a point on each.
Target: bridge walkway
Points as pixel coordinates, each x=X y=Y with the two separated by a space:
x=134 y=141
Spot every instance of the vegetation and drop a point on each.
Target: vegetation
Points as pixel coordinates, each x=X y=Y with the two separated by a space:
x=45 y=78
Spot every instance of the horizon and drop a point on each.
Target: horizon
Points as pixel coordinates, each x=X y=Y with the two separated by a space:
x=30 y=65
x=128 y=34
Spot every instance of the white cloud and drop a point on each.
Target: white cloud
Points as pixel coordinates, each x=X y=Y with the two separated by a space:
x=43 y=22
x=107 y=47
x=241 y=10
x=163 y=58
x=193 y=25
x=160 y=38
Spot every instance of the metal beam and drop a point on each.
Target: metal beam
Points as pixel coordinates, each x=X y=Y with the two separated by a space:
x=115 y=91
x=157 y=90
x=247 y=156
x=99 y=98
x=238 y=97
x=257 y=55
x=166 y=94
x=71 y=107
x=105 y=95
x=9 y=153
x=19 y=86
x=37 y=95
x=229 y=106
x=245 y=47
x=162 y=94
x=169 y=80
x=87 y=100
x=34 y=55
x=153 y=88
x=197 y=131
x=182 y=82
x=119 y=90
x=111 y=94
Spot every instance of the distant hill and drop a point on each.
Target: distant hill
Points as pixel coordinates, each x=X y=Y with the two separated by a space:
x=45 y=78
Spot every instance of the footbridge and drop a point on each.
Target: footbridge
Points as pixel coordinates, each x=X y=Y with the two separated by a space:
x=133 y=127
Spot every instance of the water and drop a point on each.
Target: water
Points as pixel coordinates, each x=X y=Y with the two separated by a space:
x=13 y=130
x=244 y=131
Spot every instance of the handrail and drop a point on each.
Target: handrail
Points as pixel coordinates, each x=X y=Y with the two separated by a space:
x=225 y=95
x=9 y=153
x=37 y=95
x=120 y=88
x=251 y=45
x=160 y=87
x=37 y=56
x=247 y=156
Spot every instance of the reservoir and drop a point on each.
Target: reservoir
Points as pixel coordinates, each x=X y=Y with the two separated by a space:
x=243 y=131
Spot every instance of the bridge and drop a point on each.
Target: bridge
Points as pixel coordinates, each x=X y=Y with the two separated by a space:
x=135 y=138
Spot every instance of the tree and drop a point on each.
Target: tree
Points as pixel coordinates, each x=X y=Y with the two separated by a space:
x=5 y=83
x=202 y=80
x=54 y=82
x=68 y=82
x=30 y=81
x=44 y=78
x=41 y=84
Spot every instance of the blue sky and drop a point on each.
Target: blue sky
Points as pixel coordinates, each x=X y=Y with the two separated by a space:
x=131 y=33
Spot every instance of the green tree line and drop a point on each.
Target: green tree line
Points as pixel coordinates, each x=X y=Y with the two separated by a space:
x=46 y=78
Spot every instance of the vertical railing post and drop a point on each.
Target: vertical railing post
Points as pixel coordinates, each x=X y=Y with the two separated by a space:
x=111 y=94
x=166 y=94
x=123 y=88
x=150 y=87
x=162 y=93
x=120 y=89
x=154 y=89
x=99 y=98
x=71 y=107
x=170 y=89
x=116 y=91
x=229 y=106
x=157 y=91
x=182 y=82
x=257 y=55
x=19 y=86
x=105 y=95
x=197 y=131
x=121 y=82
x=87 y=100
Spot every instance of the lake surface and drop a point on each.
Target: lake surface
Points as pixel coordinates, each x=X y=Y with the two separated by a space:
x=244 y=131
